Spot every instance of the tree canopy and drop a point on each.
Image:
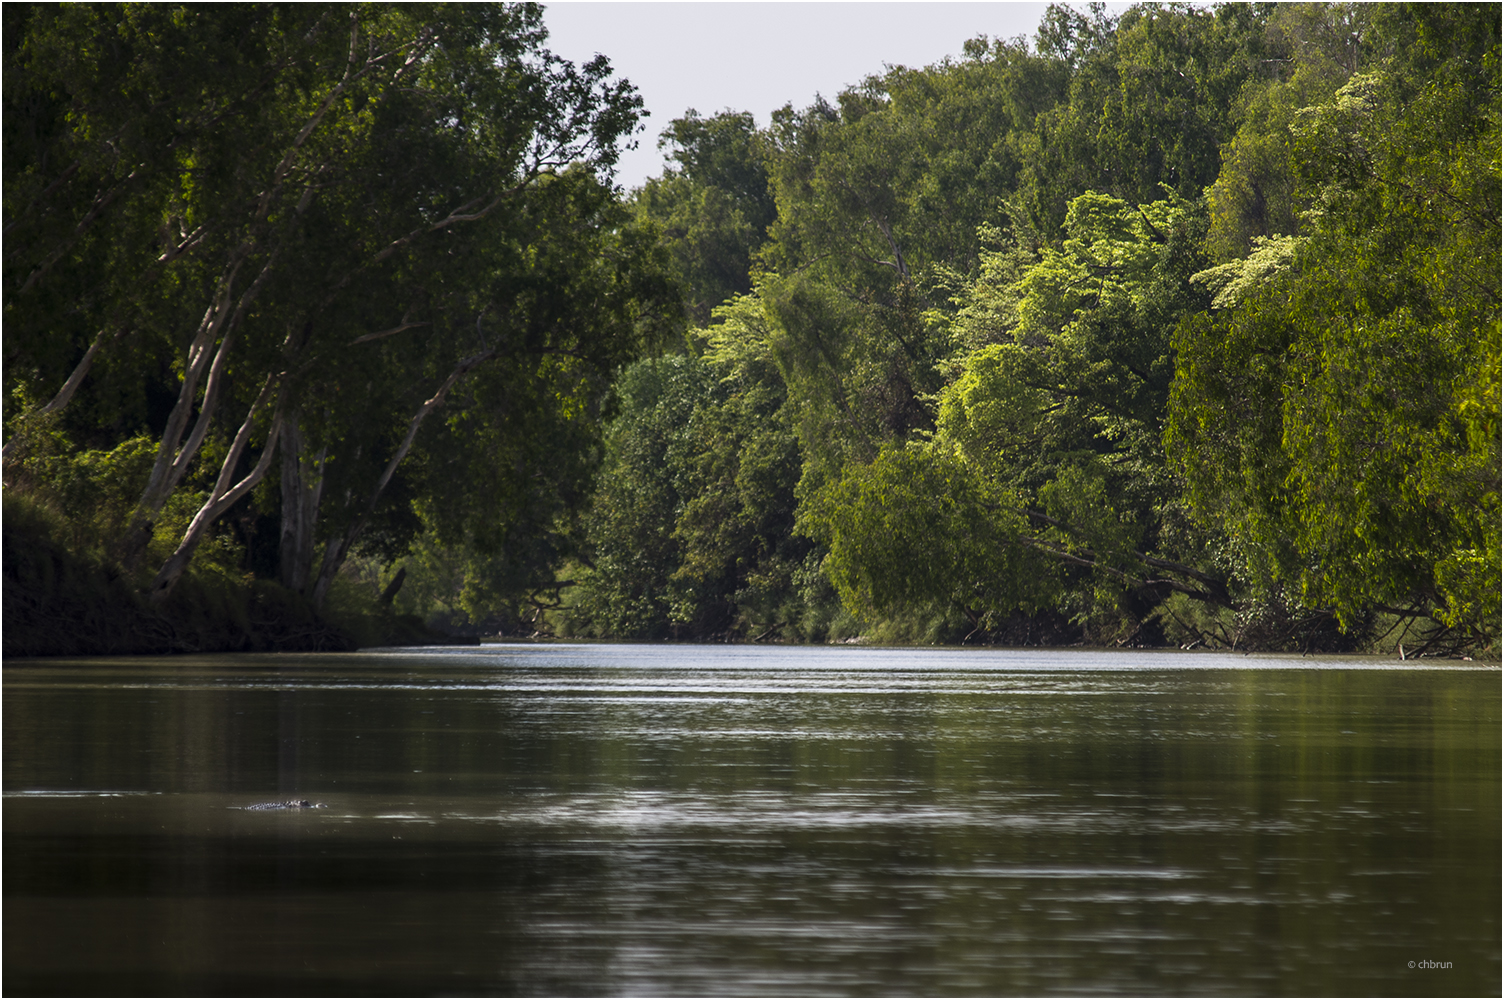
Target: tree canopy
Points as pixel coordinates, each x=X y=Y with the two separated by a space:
x=1178 y=325
x=380 y=241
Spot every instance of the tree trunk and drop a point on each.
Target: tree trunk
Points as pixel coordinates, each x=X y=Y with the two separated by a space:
x=172 y=460
x=339 y=548
x=302 y=488
x=65 y=395
x=390 y=592
x=223 y=496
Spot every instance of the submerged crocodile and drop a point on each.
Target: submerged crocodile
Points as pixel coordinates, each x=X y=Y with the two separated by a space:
x=291 y=804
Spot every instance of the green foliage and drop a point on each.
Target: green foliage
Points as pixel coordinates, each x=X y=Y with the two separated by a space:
x=508 y=468
x=636 y=507
x=692 y=527
x=1343 y=424
x=915 y=533
x=879 y=201
x=714 y=208
x=1236 y=280
x=93 y=490
x=360 y=214
x=1181 y=327
x=1151 y=102
x=1072 y=382
x=997 y=289
x=1313 y=49
x=1043 y=367
x=1043 y=481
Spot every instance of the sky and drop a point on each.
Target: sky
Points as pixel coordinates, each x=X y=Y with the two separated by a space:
x=759 y=56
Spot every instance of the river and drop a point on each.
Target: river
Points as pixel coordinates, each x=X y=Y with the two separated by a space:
x=742 y=820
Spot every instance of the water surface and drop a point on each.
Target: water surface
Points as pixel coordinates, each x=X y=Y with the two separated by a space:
x=589 y=820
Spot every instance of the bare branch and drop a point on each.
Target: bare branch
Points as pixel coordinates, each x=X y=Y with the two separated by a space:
x=334 y=554
x=101 y=202
x=378 y=335
x=65 y=395
x=188 y=243
x=222 y=486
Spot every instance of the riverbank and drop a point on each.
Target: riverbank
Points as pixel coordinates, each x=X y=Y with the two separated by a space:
x=67 y=600
x=59 y=602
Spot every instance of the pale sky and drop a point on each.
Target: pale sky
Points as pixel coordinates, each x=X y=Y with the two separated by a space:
x=758 y=56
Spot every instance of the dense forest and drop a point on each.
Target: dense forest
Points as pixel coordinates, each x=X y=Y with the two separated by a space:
x=327 y=324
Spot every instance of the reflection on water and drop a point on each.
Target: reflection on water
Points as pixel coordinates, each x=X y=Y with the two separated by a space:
x=747 y=820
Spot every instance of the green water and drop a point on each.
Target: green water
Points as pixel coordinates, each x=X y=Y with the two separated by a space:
x=619 y=820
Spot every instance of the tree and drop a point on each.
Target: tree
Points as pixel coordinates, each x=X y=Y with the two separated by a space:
x=692 y=531
x=1047 y=442
x=1341 y=420
x=1151 y=102
x=326 y=229
x=634 y=552
x=917 y=532
x=1314 y=49
x=879 y=200
x=714 y=207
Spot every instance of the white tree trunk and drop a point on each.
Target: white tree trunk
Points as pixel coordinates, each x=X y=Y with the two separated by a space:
x=173 y=456
x=223 y=496
x=65 y=395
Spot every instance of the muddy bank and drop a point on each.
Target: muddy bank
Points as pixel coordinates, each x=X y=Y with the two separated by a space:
x=61 y=603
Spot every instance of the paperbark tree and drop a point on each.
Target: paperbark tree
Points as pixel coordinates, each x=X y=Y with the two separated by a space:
x=355 y=178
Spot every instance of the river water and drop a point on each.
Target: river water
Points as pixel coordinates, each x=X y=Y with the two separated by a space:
x=627 y=820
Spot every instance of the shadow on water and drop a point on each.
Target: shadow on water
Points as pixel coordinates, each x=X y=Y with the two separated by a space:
x=741 y=820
